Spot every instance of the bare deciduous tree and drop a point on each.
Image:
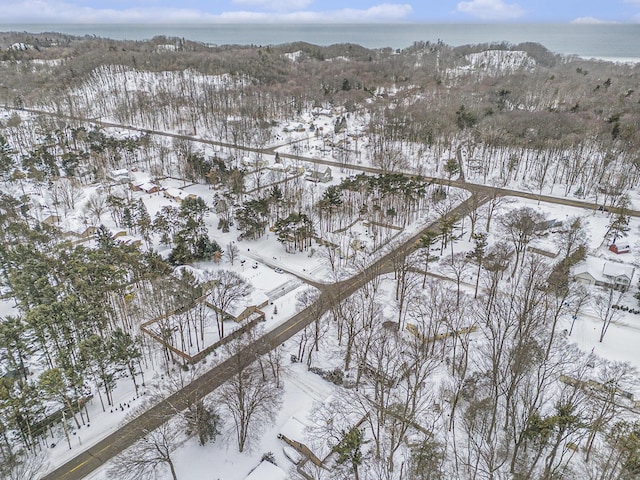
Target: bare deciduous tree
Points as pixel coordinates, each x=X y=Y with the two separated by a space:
x=251 y=399
x=572 y=236
x=68 y=193
x=310 y=298
x=603 y=305
x=148 y=455
x=232 y=252
x=457 y=264
x=25 y=466
x=96 y=206
x=613 y=379
x=520 y=226
x=228 y=288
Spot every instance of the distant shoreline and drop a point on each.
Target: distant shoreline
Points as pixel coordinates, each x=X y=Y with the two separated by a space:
x=617 y=43
x=625 y=60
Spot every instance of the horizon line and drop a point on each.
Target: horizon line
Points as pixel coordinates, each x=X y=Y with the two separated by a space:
x=336 y=22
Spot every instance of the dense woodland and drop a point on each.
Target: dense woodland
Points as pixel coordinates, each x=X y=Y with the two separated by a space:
x=567 y=118
x=485 y=402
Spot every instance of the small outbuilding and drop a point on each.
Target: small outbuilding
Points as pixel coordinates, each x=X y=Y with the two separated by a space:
x=619 y=250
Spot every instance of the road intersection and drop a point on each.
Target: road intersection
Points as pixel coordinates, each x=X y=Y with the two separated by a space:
x=331 y=294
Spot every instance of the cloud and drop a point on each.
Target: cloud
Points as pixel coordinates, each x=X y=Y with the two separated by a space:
x=63 y=12
x=385 y=11
x=45 y=11
x=379 y=13
x=592 y=21
x=276 y=5
x=491 y=9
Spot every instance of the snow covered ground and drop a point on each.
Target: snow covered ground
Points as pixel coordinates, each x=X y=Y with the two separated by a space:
x=221 y=460
x=622 y=338
x=313 y=134
x=304 y=390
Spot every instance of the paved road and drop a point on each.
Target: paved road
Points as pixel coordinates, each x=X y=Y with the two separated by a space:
x=491 y=191
x=471 y=187
x=91 y=459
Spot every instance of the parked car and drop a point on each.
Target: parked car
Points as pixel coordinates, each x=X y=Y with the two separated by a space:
x=255 y=265
x=278 y=270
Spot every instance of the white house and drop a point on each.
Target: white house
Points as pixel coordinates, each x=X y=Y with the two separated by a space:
x=119 y=176
x=318 y=176
x=596 y=271
x=583 y=276
x=618 y=275
x=280 y=166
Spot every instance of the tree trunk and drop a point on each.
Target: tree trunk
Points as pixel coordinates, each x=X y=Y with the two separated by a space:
x=172 y=468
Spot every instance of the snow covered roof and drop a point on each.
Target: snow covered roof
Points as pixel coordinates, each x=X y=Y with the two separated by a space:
x=267 y=471
x=148 y=186
x=117 y=232
x=294 y=427
x=145 y=185
x=120 y=176
x=51 y=219
x=582 y=270
x=601 y=270
x=176 y=193
x=255 y=299
x=278 y=166
x=617 y=269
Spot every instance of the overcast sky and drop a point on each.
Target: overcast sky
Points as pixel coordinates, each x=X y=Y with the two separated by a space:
x=297 y=11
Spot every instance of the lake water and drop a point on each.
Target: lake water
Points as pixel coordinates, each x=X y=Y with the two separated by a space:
x=620 y=41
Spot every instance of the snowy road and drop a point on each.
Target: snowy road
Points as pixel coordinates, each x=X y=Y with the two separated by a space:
x=471 y=187
x=94 y=457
